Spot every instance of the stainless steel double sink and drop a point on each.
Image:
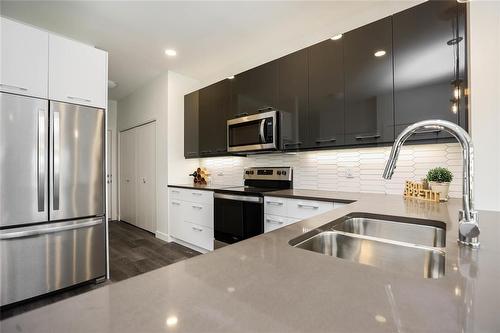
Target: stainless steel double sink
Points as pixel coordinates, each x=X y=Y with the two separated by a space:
x=405 y=245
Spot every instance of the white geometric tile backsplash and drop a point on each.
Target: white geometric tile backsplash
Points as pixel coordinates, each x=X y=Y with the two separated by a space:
x=351 y=170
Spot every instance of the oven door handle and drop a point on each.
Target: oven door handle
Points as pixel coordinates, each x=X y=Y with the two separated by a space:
x=261 y=131
x=234 y=197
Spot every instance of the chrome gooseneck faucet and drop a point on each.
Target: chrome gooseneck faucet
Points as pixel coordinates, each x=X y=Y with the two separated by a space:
x=468 y=229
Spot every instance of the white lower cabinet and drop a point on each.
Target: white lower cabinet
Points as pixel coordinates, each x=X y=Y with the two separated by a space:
x=191 y=217
x=280 y=212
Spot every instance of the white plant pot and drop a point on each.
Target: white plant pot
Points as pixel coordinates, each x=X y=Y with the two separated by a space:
x=442 y=188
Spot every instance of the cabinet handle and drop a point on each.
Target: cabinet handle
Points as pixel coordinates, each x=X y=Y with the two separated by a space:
x=196 y=193
x=428 y=131
x=205 y=152
x=197 y=229
x=274 y=203
x=264 y=109
x=307 y=206
x=221 y=150
x=175 y=203
x=197 y=207
x=191 y=153
x=79 y=99
x=274 y=221
x=326 y=140
x=175 y=191
x=363 y=137
x=242 y=114
x=293 y=144
x=13 y=87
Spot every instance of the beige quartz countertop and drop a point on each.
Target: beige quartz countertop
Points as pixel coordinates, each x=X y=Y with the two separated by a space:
x=265 y=285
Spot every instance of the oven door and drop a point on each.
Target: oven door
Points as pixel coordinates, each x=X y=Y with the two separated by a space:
x=253 y=133
x=237 y=217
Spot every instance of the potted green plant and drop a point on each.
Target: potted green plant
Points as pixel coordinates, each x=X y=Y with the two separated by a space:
x=439 y=180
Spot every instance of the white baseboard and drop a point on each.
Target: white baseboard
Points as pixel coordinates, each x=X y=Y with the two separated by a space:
x=163 y=236
x=189 y=245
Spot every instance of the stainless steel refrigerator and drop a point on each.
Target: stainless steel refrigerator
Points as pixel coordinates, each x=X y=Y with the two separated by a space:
x=52 y=196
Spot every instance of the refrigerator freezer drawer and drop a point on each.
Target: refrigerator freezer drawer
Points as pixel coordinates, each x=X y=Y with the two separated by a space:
x=39 y=259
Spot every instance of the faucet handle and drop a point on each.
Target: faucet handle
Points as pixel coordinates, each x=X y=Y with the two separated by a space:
x=468 y=231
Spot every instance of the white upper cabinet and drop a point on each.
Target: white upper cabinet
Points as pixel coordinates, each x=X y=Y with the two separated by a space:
x=24 y=59
x=77 y=72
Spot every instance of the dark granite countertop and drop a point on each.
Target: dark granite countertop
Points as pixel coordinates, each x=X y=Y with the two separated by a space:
x=265 y=285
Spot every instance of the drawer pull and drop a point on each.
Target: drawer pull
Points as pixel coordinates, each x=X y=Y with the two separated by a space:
x=274 y=221
x=175 y=203
x=307 y=206
x=175 y=191
x=197 y=229
x=196 y=193
x=275 y=203
x=197 y=207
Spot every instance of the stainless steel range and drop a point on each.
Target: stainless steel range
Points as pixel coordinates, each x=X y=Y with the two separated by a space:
x=239 y=211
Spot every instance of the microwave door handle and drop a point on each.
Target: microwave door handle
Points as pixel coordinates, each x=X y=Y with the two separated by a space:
x=261 y=131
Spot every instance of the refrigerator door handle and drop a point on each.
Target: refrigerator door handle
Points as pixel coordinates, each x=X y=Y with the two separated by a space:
x=42 y=231
x=56 y=160
x=41 y=167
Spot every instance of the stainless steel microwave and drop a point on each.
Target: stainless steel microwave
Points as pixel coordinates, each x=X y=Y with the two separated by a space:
x=254 y=133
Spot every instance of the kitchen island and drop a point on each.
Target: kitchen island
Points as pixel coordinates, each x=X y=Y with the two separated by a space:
x=265 y=285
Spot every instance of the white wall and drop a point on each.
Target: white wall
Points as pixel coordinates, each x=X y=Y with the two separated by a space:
x=148 y=103
x=484 y=55
x=112 y=126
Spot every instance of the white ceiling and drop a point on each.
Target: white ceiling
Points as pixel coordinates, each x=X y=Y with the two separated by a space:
x=213 y=39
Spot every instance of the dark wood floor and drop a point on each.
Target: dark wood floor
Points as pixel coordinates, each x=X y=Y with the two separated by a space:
x=132 y=251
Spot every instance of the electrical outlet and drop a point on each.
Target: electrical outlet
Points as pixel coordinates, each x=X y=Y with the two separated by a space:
x=348 y=173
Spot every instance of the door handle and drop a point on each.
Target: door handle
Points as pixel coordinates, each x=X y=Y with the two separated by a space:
x=41 y=174
x=13 y=87
x=261 y=131
x=56 y=156
x=49 y=230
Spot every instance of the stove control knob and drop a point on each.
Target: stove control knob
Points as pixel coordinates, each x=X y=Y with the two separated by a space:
x=247 y=172
x=251 y=172
x=279 y=173
x=283 y=173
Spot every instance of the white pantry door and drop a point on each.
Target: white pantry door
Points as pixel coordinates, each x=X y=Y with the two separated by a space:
x=146 y=172
x=128 y=177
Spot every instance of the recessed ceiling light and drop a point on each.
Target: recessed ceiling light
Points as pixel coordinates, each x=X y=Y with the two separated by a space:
x=379 y=53
x=336 y=37
x=230 y=77
x=170 y=52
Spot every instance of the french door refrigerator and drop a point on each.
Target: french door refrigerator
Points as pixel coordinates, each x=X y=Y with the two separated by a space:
x=52 y=208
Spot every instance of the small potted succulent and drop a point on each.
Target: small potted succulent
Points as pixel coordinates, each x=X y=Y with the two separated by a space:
x=439 y=180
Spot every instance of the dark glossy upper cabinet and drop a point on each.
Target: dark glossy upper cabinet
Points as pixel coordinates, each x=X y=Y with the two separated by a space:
x=429 y=54
x=214 y=104
x=254 y=90
x=326 y=94
x=191 y=125
x=293 y=98
x=369 y=84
